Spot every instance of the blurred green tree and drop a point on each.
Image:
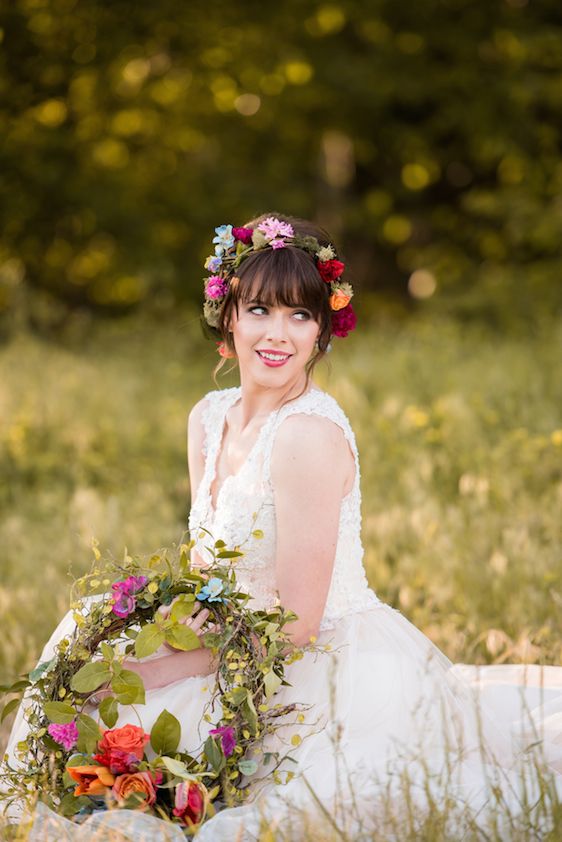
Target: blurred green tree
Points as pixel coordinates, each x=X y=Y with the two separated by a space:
x=426 y=136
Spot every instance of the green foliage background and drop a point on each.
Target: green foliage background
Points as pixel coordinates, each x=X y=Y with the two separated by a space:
x=425 y=135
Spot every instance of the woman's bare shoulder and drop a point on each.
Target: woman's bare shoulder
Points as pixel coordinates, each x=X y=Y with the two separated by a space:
x=312 y=438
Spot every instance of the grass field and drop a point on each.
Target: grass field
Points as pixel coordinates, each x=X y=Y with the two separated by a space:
x=460 y=438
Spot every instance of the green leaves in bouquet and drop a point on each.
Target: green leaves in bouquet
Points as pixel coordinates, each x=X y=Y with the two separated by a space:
x=59 y=712
x=272 y=683
x=182 y=607
x=148 y=640
x=88 y=733
x=128 y=687
x=90 y=677
x=214 y=754
x=248 y=767
x=70 y=804
x=18 y=687
x=109 y=711
x=165 y=734
x=182 y=637
x=170 y=630
x=241 y=698
x=176 y=767
x=41 y=669
x=8 y=708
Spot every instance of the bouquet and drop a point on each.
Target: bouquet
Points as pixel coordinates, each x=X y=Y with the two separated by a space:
x=76 y=765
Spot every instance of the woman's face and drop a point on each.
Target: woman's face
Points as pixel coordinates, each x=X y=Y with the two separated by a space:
x=273 y=343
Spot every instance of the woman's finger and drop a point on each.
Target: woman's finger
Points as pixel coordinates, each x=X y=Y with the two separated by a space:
x=197 y=622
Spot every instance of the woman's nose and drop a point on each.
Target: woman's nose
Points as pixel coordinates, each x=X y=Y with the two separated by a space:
x=277 y=327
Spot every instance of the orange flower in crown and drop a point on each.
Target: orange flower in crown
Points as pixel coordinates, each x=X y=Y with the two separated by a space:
x=233 y=245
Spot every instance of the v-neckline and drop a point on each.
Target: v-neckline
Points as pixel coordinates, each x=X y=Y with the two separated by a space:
x=217 y=454
x=213 y=471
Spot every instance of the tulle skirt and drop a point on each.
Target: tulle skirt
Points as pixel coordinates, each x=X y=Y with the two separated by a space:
x=393 y=733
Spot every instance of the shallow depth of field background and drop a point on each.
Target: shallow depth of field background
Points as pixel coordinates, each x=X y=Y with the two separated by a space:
x=426 y=138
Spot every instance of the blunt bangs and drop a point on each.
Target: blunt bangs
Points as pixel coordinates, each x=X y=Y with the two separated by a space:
x=286 y=277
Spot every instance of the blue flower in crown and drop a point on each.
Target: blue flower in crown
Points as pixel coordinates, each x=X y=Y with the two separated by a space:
x=224 y=239
x=213 y=262
x=210 y=592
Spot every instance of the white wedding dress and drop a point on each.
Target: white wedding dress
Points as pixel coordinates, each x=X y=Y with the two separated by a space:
x=391 y=720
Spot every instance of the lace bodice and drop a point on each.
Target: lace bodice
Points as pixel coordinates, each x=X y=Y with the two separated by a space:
x=245 y=510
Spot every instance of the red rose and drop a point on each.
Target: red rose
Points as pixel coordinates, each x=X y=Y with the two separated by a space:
x=330 y=270
x=191 y=802
x=118 y=761
x=343 y=321
x=120 y=748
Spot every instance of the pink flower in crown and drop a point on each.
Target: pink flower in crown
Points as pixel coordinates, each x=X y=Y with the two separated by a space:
x=243 y=234
x=273 y=228
x=215 y=287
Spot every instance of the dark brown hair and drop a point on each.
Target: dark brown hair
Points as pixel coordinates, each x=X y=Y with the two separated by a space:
x=286 y=276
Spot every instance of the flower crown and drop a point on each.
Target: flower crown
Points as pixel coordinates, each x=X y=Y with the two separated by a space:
x=233 y=245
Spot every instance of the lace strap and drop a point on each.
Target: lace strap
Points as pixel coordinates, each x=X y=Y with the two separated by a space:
x=315 y=402
x=214 y=411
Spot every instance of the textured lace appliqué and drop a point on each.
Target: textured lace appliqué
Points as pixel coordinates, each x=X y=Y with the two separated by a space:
x=244 y=515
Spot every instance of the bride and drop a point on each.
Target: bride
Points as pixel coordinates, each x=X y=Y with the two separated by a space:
x=396 y=730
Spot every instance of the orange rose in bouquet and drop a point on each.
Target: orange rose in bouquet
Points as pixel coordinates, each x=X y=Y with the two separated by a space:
x=120 y=749
x=137 y=782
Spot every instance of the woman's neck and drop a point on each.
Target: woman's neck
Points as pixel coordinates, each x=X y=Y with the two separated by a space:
x=257 y=401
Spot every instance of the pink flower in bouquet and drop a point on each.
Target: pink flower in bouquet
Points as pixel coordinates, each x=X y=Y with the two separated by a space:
x=190 y=802
x=243 y=234
x=137 y=782
x=66 y=735
x=124 y=602
x=343 y=321
x=228 y=740
x=130 y=585
x=124 y=605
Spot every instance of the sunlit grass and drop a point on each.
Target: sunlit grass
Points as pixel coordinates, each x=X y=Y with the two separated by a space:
x=460 y=439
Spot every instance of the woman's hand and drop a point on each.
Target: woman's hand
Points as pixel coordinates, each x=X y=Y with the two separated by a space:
x=166 y=667
x=195 y=622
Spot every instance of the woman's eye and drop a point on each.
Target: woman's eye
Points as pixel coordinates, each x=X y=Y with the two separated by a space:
x=303 y=315
x=256 y=307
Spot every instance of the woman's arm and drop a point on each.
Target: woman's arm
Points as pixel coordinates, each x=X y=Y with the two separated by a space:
x=312 y=468
x=159 y=672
